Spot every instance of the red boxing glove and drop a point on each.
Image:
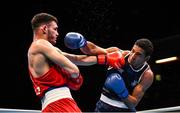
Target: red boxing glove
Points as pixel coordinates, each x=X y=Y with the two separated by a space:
x=72 y=83
x=75 y=83
x=114 y=59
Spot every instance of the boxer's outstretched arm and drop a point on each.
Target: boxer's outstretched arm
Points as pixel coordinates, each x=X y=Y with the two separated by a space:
x=75 y=40
x=82 y=60
x=93 y=49
x=114 y=59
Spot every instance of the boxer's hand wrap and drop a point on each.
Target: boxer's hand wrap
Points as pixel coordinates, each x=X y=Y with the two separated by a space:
x=101 y=59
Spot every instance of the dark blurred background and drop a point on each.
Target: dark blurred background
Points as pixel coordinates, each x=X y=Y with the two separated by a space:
x=104 y=22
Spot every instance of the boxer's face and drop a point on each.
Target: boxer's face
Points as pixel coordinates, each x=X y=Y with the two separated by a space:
x=137 y=56
x=52 y=32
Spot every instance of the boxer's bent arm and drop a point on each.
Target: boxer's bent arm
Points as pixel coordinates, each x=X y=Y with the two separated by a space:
x=140 y=89
x=93 y=49
x=46 y=48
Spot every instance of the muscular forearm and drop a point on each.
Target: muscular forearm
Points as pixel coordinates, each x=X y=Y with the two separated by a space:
x=92 y=49
x=131 y=102
x=136 y=96
x=80 y=59
x=83 y=60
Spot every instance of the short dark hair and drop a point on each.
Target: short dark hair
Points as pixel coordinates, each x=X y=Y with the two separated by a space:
x=146 y=45
x=42 y=18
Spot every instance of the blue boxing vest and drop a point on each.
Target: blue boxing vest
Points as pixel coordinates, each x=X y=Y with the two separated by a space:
x=130 y=76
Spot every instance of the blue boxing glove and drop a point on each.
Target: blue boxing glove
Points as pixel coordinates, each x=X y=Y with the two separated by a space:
x=114 y=82
x=74 y=40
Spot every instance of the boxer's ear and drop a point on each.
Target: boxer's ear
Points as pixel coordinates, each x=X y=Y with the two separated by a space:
x=147 y=58
x=43 y=28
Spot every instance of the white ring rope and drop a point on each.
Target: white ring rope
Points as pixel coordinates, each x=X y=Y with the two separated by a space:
x=170 y=109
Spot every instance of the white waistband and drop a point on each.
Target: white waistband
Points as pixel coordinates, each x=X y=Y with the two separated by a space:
x=115 y=103
x=55 y=94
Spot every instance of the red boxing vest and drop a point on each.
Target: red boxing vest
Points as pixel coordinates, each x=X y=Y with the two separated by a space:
x=53 y=78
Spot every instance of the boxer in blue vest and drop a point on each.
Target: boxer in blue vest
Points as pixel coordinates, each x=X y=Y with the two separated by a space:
x=127 y=80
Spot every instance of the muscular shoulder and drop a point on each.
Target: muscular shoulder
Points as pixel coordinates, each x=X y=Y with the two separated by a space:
x=42 y=42
x=147 y=79
x=149 y=74
x=40 y=45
